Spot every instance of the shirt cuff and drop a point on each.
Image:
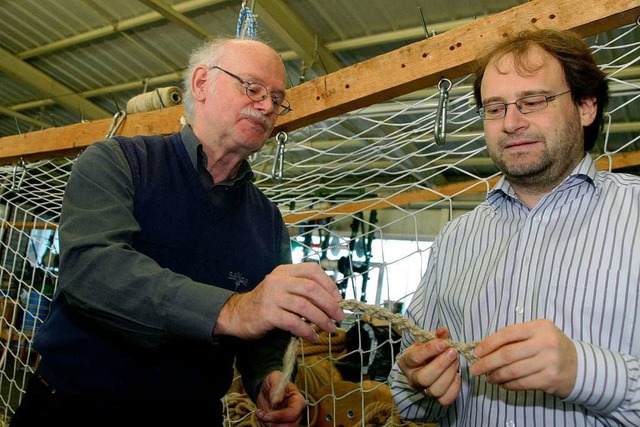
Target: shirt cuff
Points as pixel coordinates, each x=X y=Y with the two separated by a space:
x=602 y=377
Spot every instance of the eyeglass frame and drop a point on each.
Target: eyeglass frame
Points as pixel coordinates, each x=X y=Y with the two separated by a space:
x=283 y=105
x=482 y=110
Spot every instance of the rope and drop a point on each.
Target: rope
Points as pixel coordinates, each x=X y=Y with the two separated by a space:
x=241 y=410
x=288 y=364
x=247 y=27
x=396 y=320
x=312 y=378
x=328 y=345
x=404 y=324
x=333 y=344
x=386 y=414
x=379 y=414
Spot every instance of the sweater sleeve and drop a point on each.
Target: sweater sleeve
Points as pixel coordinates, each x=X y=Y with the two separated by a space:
x=108 y=282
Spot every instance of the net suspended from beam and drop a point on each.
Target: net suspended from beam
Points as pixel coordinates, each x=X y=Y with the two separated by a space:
x=350 y=188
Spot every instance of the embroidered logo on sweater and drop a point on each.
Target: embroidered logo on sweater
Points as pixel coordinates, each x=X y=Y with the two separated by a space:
x=239 y=280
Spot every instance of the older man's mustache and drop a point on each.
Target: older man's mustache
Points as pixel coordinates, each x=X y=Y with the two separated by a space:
x=265 y=121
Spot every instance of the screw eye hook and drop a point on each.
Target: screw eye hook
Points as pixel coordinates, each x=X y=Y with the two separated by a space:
x=440 y=135
x=277 y=171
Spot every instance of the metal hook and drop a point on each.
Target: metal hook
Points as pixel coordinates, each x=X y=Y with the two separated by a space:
x=81 y=115
x=278 y=162
x=424 y=23
x=116 y=123
x=16 y=183
x=440 y=134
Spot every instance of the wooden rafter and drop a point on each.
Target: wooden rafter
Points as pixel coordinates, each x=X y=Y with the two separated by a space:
x=405 y=70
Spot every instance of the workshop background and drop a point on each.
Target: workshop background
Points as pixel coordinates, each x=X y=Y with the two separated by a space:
x=382 y=148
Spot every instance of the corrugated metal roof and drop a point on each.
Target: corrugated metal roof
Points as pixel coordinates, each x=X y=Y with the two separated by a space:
x=108 y=51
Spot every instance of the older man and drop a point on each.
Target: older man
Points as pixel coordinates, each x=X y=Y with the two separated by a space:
x=173 y=265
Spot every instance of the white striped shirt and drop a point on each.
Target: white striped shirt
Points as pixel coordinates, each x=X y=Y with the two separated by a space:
x=573 y=259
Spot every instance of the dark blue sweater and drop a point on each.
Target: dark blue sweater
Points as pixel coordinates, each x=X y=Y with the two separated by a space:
x=233 y=245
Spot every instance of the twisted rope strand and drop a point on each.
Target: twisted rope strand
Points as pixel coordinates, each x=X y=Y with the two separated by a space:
x=396 y=320
x=402 y=323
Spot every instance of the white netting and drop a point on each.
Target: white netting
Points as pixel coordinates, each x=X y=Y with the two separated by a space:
x=363 y=194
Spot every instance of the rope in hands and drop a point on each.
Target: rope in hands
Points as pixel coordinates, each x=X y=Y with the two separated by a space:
x=397 y=320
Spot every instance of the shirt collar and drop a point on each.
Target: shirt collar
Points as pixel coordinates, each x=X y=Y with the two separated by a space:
x=199 y=159
x=584 y=171
x=191 y=143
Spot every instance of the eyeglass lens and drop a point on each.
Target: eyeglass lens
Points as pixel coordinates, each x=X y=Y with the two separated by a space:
x=526 y=105
x=258 y=92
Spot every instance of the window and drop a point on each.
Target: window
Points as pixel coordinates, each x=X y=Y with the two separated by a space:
x=394 y=269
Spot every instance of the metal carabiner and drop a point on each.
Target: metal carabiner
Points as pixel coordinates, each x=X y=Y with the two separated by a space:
x=16 y=182
x=277 y=171
x=440 y=134
x=116 y=123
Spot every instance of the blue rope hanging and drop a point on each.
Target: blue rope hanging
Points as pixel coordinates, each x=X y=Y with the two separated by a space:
x=247 y=25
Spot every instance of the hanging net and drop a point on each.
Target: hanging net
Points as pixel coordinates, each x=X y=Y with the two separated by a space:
x=363 y=194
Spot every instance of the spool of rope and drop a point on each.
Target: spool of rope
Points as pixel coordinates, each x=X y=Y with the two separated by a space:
x=155 y=100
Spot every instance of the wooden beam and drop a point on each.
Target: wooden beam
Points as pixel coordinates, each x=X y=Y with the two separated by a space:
x=47 y=85
x=113 y=28
x=451 y=55
x=21 y=225
x=404 y=199
x=384 y=77
x=172 y=15
x=283 y=21
x=70 y=140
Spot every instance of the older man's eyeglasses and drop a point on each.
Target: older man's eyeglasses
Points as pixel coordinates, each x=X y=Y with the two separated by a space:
x=526 y=105
x=258 y=92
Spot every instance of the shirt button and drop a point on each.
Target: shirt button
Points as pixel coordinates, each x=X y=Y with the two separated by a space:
x=519 y=310
x=510 y=423
x=536 y=219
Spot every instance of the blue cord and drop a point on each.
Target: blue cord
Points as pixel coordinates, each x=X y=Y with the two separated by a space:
x=247 y=25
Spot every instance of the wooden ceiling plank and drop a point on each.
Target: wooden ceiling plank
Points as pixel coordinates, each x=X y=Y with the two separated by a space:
x=177 y=18
x=50 y=87
x=451 y=55
x=283 y=21
x=613 y=161
x=111 y=29
x=384 y=77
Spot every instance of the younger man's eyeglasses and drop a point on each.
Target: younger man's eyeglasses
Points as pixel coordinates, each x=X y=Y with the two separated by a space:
x=526 y=105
